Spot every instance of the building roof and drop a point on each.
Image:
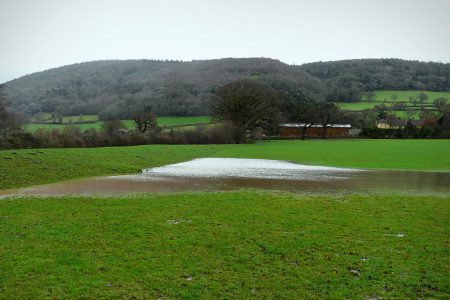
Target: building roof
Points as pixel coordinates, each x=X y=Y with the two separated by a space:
x=315 y=125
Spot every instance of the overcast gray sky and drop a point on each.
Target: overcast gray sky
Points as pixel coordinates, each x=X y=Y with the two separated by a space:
x=42 y=34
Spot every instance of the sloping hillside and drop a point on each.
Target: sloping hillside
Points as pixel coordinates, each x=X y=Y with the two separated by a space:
x=169 y=87
x=119 y=88
x=347 y=79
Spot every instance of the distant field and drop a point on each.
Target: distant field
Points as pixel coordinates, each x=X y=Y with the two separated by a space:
x=26 y=167
x=162 y=121
x=363 y=105
x=385 y=97
x=47 y=118
x=34 y=127
x=403 y=114
x=404 y=95
x=360 y=105
x=170 y=121
x=87 y=118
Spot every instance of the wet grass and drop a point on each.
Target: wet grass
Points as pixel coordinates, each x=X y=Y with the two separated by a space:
x=421 y=155
x=243 y=244
x=37 y=166
x=27 y=167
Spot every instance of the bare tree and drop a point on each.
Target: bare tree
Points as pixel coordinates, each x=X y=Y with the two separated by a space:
x=392 y=120
x=145 y=121
x=371 y=95
x=423 y=97
x=410 y=114
x=11 y=123
x=440 y=103
x=399 y=105
x=367 y=118
x=3 y=100
x=327 y=113
x=308 y=116
x=413 y=100
x=112 y=127
x=426 y=114
x=3 y=103
x=381 y=111
x=247 y=104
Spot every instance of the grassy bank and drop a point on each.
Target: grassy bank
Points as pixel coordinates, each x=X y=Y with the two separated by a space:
x=225 y=245
x=36 y=166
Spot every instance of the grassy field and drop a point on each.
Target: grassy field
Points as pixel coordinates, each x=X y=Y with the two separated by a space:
x=236 y=245
x=229 y=245
x=162 y=121
x=364 y=105
x=385 y=97
x=404 y=95
x=26 y=167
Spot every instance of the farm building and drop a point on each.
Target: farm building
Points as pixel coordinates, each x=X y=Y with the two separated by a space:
x=391 y=124
x=295 y=130
x=400 y=124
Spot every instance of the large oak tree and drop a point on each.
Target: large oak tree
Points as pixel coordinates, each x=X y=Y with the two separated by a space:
x=248 y=104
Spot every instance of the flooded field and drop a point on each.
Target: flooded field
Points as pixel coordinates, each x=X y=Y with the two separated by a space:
x=213 y=174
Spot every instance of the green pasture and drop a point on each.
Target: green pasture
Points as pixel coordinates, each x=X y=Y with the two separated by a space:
x=225 y=245
x=404 y=115
x=385 y=97
x=405 y=95
x=83 y=118
x=33 y=127
x=365 y=105
x=171 y=121
x=26 y=167
x=359 y=105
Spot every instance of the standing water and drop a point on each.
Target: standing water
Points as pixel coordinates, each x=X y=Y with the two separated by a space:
x=213 y=174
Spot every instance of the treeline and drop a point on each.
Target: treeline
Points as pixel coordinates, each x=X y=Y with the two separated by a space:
x=347 y=80
x=253 y=106
x=73 y=137
x=117 y=89
x=247 y=110
x=431 y=123
x=432 y=130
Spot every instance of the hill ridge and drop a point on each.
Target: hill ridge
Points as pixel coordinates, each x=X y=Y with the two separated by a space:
x=117 y=87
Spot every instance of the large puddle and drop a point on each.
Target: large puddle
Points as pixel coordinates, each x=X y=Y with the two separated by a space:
x=213 y=174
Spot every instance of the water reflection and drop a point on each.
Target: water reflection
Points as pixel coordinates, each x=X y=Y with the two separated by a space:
x=214 y=175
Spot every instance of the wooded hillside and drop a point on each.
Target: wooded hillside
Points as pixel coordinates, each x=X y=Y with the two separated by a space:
x=117 y=88
x=347 y=79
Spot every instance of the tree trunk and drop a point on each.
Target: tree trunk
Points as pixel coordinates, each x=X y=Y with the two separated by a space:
x=304 y=133
x=324 y=131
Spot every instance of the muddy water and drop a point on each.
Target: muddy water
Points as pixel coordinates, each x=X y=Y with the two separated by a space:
x=230 y=174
